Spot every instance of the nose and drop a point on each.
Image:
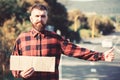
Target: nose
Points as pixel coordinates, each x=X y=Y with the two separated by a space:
x=40 y=18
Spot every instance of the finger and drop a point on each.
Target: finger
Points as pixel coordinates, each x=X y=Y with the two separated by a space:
x=28 y=75
x=111 y=50
x=110 y=55
x=111 y=58
x=25 y=73
x=17 y=74
x=29 y=72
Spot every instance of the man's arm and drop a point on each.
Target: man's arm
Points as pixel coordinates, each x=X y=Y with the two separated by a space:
x=73 y=50
x=16 y=51
x=21 y=74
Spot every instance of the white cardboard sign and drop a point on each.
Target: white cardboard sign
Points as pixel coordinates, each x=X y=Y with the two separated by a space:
x=43 y=64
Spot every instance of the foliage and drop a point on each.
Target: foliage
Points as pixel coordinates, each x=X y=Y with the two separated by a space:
x=102 y=24
x=117 y=22
x=10 y=8
x=85 y=33
x=78 y=19
x=57 y=16
x=8 y=33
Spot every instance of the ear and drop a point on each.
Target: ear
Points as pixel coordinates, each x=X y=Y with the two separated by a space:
x=30 y=18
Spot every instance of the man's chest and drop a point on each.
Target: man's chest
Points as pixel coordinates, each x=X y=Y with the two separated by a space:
x=39 y=46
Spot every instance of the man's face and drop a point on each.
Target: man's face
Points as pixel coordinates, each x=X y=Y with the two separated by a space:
x=39 y=19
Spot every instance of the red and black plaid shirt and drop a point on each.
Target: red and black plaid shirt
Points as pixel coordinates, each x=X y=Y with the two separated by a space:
x=34 y=43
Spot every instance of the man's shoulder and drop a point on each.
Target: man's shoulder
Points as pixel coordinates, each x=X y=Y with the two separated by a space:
x=23 y=34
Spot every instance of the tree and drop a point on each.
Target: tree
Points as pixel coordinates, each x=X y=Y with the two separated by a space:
x=57 y=16
x=10 y=8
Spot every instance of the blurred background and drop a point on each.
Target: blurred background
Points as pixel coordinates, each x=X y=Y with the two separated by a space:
x=87 y=23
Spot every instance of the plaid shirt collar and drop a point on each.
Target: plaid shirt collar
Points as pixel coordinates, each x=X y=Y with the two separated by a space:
x=35 y=32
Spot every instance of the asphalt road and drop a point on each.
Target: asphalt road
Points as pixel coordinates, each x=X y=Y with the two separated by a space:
x=76 y=69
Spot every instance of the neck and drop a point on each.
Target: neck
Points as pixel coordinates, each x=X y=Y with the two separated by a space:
x=40 y=29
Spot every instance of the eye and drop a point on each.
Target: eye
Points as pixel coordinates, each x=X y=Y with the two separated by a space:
x=43 y=16
x=37 y=15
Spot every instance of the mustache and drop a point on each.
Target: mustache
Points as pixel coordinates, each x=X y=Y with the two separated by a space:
x=40 y=23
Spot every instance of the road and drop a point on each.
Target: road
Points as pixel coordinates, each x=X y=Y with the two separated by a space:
x=76 y=69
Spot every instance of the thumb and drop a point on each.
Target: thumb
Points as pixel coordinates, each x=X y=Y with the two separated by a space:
x=111 y=50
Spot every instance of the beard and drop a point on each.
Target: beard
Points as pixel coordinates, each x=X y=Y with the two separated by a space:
x=39 y=26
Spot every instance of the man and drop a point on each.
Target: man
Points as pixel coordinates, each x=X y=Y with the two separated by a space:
x=40 y=42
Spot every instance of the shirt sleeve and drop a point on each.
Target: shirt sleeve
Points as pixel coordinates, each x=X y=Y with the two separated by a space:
x=16 y=52
x=73 y=50
x=16 y=49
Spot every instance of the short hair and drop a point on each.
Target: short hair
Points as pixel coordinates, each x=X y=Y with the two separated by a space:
x=39 y=6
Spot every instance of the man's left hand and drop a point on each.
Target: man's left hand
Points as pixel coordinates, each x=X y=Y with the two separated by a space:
x=109 y=55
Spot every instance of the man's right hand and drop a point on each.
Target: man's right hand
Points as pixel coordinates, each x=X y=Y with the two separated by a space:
x=27 y=73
